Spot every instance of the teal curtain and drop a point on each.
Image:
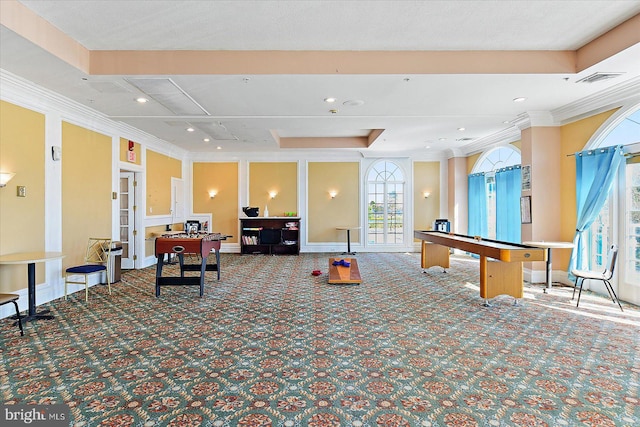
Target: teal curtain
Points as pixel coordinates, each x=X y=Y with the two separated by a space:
x=508 y=190
x=595 y=172
x=477 y=221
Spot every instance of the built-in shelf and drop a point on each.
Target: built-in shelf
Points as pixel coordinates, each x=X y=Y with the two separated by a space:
x=270 y=235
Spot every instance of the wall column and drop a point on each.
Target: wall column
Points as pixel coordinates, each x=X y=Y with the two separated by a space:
x=541 y=150
x=457 y=194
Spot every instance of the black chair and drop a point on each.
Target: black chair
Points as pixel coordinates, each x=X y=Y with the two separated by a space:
x=6 y=299
x=605 y=276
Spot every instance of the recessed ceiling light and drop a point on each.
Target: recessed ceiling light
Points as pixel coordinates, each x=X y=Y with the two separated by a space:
x=329 y=100
x=442 y=139
x=461 y=129
x=142 y=100
x=190 y=129
x=219 y=148
x=428 y=146
x=353 y=102
x=506 y=122
x=520 y=99
x=206 y=140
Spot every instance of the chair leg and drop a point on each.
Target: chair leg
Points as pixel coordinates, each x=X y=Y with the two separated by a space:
x=65 y=286
x=579 y=293
x=615 y=297
x=19 y=318
x=86 y=288
x=606 y=286
x=575 y=286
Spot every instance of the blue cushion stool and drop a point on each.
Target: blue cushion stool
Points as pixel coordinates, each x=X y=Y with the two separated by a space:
x=96 y=260
x=86 y=269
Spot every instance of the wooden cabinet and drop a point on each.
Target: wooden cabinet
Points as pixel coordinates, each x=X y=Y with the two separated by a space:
x=271 y=235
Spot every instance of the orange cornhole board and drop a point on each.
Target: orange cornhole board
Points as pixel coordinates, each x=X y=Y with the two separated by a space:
x=342 y=274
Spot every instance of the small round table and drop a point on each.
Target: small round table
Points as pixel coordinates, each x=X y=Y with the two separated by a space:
x=348 y=238
x=31 y=258
x=548 y=246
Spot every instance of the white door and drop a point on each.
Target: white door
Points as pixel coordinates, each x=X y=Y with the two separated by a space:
x=385 y=204
x=629 y=247
x=127 y=219
x=177 y=200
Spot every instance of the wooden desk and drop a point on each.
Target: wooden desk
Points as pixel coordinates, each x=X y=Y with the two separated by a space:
x=341 y=274
x=548 y=246
x=200 y=244
x=504 y=276
x=31 y=258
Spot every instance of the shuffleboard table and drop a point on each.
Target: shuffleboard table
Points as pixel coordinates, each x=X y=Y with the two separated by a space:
x=503 y=276
x=200 y=244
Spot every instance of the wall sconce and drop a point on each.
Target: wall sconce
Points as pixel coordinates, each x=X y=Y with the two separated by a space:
x=212 y=193
x=273 y=194
x=333 y=194
x=426 y=194
x=5 y=177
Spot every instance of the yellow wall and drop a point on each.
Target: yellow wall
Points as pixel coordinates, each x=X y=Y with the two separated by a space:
x=124 y=149
x=224 y=207
x=426 y=177
x=160 y=170
x=86 y=190
x=471 y=162
x=281 y=177
x=22 y=151
x=325 y=213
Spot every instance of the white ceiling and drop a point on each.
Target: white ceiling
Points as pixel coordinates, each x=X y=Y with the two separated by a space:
x=416 y=110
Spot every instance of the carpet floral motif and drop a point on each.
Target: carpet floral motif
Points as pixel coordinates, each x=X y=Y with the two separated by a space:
x=271 y=345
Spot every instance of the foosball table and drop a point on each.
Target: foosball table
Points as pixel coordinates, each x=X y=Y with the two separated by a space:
x=198 y=244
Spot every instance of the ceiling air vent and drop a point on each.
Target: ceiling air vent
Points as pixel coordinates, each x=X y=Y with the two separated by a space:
x=169 y=94
x=597 y=77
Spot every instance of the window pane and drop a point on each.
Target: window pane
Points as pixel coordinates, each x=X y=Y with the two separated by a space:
x=632 y=241
x=599 y=238
x=385 y=201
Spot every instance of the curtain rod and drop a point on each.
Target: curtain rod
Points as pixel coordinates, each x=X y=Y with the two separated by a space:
x=625 y=154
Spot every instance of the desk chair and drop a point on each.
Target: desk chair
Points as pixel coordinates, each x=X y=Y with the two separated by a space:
x=97 y=260
x=6 y=299
x=605 y=276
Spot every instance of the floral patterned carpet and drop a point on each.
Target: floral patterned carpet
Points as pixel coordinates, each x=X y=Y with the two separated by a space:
x=272 y=345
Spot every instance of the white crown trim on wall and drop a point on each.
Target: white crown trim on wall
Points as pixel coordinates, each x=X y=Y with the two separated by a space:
x=29 y=95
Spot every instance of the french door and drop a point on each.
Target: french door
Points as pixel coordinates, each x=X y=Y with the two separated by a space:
x=385 y=204
x=127 y=219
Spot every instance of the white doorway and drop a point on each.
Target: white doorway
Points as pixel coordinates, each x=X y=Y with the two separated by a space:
x=127 y=219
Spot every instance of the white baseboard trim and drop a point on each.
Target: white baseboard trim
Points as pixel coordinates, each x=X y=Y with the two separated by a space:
x=46 y=292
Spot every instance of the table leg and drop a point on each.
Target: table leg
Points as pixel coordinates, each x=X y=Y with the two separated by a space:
x=32 y=314
x=218 y=262
x=348 y=244
x=549 y=271
x=159 y=273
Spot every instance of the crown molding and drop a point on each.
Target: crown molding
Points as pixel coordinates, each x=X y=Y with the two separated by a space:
x=503 y=137
x=610 y=98
x=27 y=94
